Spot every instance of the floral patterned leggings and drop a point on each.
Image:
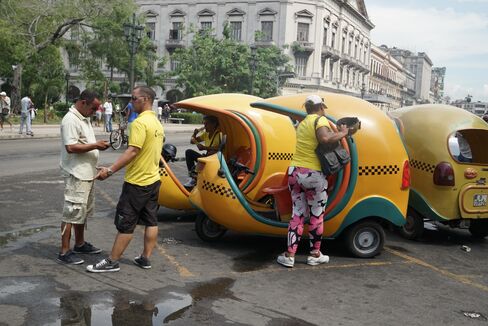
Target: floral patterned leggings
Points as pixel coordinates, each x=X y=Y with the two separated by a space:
x=309 y=196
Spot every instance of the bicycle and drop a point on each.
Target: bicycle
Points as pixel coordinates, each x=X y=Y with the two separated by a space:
x=118 y=137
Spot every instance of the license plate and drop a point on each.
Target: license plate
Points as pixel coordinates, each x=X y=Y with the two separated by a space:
x=480 y=200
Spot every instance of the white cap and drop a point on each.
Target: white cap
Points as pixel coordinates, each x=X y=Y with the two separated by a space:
x=315 y=99
x=3 y=94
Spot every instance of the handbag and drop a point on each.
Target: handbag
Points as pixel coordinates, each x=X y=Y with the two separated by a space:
x=332 y=157
x=5 y=111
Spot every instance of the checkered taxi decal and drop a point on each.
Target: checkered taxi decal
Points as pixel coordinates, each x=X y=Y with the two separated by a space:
x=218 y=189
x=163 y=172
x=280 y=156
x=378 y=170
x=419 y=165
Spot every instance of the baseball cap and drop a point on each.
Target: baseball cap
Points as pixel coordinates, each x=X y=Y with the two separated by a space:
x=3 y=94
x=315 y=99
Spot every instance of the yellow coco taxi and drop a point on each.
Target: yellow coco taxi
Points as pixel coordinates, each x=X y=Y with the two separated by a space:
x=448 y=150
x=243 y=187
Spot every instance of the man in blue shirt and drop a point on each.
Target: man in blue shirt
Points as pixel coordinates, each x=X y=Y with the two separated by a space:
x=131 y=115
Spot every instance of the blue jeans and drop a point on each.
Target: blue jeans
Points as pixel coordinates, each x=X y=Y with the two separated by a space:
x=25 y=119
x=108 y=122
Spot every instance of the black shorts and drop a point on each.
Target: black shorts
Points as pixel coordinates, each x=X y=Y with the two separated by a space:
x=137 y=205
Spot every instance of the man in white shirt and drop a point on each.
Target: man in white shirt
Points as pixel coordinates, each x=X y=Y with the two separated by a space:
x=25 y=115
x=79 y=157
x=108 y=115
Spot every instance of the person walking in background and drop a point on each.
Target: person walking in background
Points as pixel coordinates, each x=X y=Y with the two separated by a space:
x=5 y=110
x=160 y=113
x=98 y=115
x=108 y=107
x=25 y=115
x=138 y=202
x=307 y=183
x=166 y=113
x=79 y=158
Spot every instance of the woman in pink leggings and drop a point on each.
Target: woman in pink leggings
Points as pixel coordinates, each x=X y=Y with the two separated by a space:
x=307 y=183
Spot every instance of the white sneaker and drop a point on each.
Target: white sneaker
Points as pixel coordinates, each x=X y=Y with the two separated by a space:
x=313 y=261
x=190 y=183
x=285 y=260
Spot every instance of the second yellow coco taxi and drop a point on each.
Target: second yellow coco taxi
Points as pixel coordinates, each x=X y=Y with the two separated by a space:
x=448 y=150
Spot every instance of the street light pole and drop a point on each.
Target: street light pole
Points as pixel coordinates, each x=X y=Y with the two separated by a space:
x=253 y=67
x=133 y=34
x=67 y=77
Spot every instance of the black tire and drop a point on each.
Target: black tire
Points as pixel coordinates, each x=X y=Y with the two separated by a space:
x=208 y=230
x=478 y=228
x=414 y=228
x=115 y=139
x=365 y=239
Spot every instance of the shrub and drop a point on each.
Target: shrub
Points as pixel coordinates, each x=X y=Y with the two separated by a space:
x=60 y=108
x=190 y=118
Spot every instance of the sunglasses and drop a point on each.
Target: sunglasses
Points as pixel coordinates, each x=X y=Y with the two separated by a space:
x=134 y=98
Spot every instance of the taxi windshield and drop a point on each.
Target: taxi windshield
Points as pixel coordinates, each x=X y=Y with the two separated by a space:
x=469 y=146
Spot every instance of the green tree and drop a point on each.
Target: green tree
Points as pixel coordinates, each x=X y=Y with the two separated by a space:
x=211 y=65
x=44 y=78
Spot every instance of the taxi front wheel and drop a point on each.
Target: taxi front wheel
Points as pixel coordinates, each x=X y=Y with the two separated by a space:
x=208 y=230
x=365 y=239
x=478 y=228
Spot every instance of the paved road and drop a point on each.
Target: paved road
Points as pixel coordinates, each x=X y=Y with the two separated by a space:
x=37 y=155
x=234 y=281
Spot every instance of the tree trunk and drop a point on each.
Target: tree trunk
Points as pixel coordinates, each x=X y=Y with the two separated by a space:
x=46 y=109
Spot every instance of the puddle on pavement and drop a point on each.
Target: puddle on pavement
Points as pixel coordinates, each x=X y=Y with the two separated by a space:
x=122 y=310
x=16 y=235
x=253 y=261
x=215 y=289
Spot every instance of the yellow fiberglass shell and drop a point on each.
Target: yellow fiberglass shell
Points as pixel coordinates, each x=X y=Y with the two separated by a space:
x=426 y=132
x=172 y=194
x=381 y=157
x=270 y=136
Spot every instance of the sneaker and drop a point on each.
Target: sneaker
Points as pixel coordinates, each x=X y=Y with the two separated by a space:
x=321 y=259
x=190 y=183
x=285 y=260
x=142 y=262
x=70 y=258
x=103 y=266
x=86 y=248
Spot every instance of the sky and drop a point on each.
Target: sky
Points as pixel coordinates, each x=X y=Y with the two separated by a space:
x=453 y=33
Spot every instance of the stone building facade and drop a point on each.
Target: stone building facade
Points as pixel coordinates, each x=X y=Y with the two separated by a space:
x=328 y=41
x=387 y=80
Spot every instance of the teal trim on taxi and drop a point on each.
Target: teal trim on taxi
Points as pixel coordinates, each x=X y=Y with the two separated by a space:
x=372 y=207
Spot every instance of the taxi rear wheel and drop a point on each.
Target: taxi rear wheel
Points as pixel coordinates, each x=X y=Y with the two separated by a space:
x=478 y=228
x=365 y=239
x=414 y=227
x=208 y=230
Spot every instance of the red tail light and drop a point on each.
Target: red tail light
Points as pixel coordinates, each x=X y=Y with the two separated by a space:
x=406 y=175
x=444 y=174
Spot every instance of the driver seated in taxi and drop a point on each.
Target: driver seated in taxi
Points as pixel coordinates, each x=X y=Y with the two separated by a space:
x=207 y=139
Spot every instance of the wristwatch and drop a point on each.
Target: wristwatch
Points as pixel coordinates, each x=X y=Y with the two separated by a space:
x=109 y=172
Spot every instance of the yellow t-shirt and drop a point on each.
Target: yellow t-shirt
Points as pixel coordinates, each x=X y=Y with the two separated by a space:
x=211 y=141
x=307 y=142
x=147 y=134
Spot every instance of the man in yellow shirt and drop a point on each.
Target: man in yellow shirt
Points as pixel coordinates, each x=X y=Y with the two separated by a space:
x=139 y=199
x=210 y=137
